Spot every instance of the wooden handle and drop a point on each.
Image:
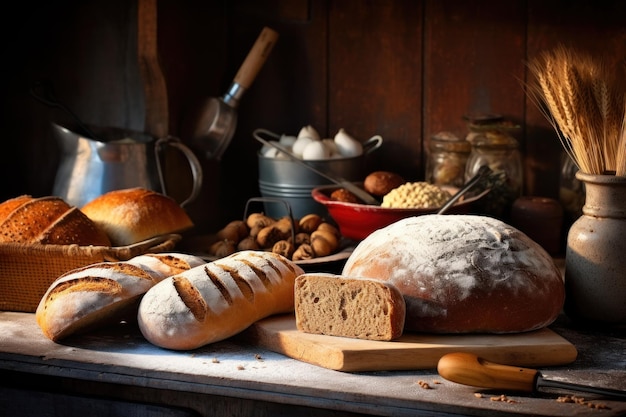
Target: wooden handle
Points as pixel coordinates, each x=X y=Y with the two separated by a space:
x=469 y=369
x=155 y=88
x=256 y=57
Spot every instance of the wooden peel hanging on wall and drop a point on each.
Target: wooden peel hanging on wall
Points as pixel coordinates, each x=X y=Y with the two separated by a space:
x=155 y=87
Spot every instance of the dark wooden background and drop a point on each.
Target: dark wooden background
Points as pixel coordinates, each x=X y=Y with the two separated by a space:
x=404 y=69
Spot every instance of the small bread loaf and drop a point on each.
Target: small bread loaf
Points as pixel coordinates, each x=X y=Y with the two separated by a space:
x=104 y=293
x=379 y=183
x=48 y=221
x=463 y=274
x=131 y=215
x=212 y=302
x=360 y=308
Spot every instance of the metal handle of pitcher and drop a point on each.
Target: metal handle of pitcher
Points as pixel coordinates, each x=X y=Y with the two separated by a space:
x=194 y=164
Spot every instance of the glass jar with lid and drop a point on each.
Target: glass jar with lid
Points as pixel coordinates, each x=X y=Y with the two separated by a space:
x=446 y=161
x=493 y=145
x=571 y=190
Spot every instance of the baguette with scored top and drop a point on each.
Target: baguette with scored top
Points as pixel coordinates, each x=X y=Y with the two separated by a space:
x=104 y=293
x=215 y=301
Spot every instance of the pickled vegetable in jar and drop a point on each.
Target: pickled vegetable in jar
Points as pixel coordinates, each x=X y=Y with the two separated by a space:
x=446 y=161
x=494 y=146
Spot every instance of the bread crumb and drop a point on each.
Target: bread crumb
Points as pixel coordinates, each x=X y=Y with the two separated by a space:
x=478 y=395
x=573 y=399
x=258 y=357
x=241 y=367
x=502 y=398
x=215 y=360
x=424 y=384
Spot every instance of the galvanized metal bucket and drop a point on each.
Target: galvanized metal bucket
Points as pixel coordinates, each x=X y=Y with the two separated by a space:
x=289 y=181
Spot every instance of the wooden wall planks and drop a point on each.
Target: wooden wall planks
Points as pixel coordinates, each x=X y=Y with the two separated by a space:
x=404 y=69
x=375 y=70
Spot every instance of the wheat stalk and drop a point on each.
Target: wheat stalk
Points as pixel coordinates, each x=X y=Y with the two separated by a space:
x=584 y=104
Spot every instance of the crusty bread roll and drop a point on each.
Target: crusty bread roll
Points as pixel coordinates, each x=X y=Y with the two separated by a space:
x=7 y=206
x=49 y=221
x=104 y=293
x=361 y=308
x=131 y=215
x=463 y=274
x=212 y=302
x=380 y=183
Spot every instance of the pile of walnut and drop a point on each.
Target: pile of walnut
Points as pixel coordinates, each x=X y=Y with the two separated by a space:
x=312 y=237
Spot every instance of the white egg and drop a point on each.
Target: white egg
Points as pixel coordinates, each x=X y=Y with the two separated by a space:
x=315 y=150
x=330 y=144
x=287 y=141
x=269 y=152
x=347 y=145
x=300 y=144
x=309 y=131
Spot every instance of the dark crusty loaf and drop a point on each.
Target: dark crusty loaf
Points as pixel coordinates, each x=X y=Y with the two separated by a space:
x=359 y=308
x=131 y=215
x=47 y=220
x=104 y=293
x=212 y=302
x=463 y=273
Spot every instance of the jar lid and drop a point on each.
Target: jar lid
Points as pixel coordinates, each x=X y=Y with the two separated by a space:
x=446 y=141
x=493 y=139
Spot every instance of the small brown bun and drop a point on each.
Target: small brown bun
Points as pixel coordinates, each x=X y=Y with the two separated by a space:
x=379 y=183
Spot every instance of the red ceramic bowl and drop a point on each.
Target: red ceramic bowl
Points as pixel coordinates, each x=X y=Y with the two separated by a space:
x=357 y=221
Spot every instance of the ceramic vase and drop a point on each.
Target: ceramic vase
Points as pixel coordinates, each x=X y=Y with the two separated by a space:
x=595 y=257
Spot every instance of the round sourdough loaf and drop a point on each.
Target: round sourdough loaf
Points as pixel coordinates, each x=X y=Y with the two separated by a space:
x=463 y=274
x=131 y=215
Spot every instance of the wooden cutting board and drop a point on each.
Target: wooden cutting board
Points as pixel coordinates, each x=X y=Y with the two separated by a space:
x=411 y=352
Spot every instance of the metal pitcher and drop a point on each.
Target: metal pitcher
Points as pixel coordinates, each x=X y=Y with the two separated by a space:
x=119 y=159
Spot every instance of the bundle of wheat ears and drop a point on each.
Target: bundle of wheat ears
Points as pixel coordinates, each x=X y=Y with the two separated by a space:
x=585 y=101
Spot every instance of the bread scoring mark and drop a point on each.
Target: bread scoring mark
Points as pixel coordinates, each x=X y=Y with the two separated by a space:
x=116 y=267
x=84 y=284
x=284 y=261
x=190 y=296
x=177 y=264
x=241 y=282
x=260 y=273
x=219 y=284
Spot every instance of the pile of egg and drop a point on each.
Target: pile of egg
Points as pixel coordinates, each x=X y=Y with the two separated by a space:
x=310 y=146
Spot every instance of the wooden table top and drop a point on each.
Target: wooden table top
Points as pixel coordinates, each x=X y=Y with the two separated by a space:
x=233 y=368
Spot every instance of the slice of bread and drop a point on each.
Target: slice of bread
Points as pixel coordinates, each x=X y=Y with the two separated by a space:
x=359 y=308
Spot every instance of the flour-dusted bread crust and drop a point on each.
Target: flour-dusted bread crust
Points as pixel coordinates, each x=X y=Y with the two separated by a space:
x=104 y=293
x=163 y=265
x=131 y=215
x=463 y=274
x=360 y=308
x=88 y=297
x=212 y=302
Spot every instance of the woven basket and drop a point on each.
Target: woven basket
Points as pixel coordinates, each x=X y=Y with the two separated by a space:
x=27 y=271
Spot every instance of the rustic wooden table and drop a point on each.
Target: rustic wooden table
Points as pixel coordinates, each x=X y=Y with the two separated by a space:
x=115 y=371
